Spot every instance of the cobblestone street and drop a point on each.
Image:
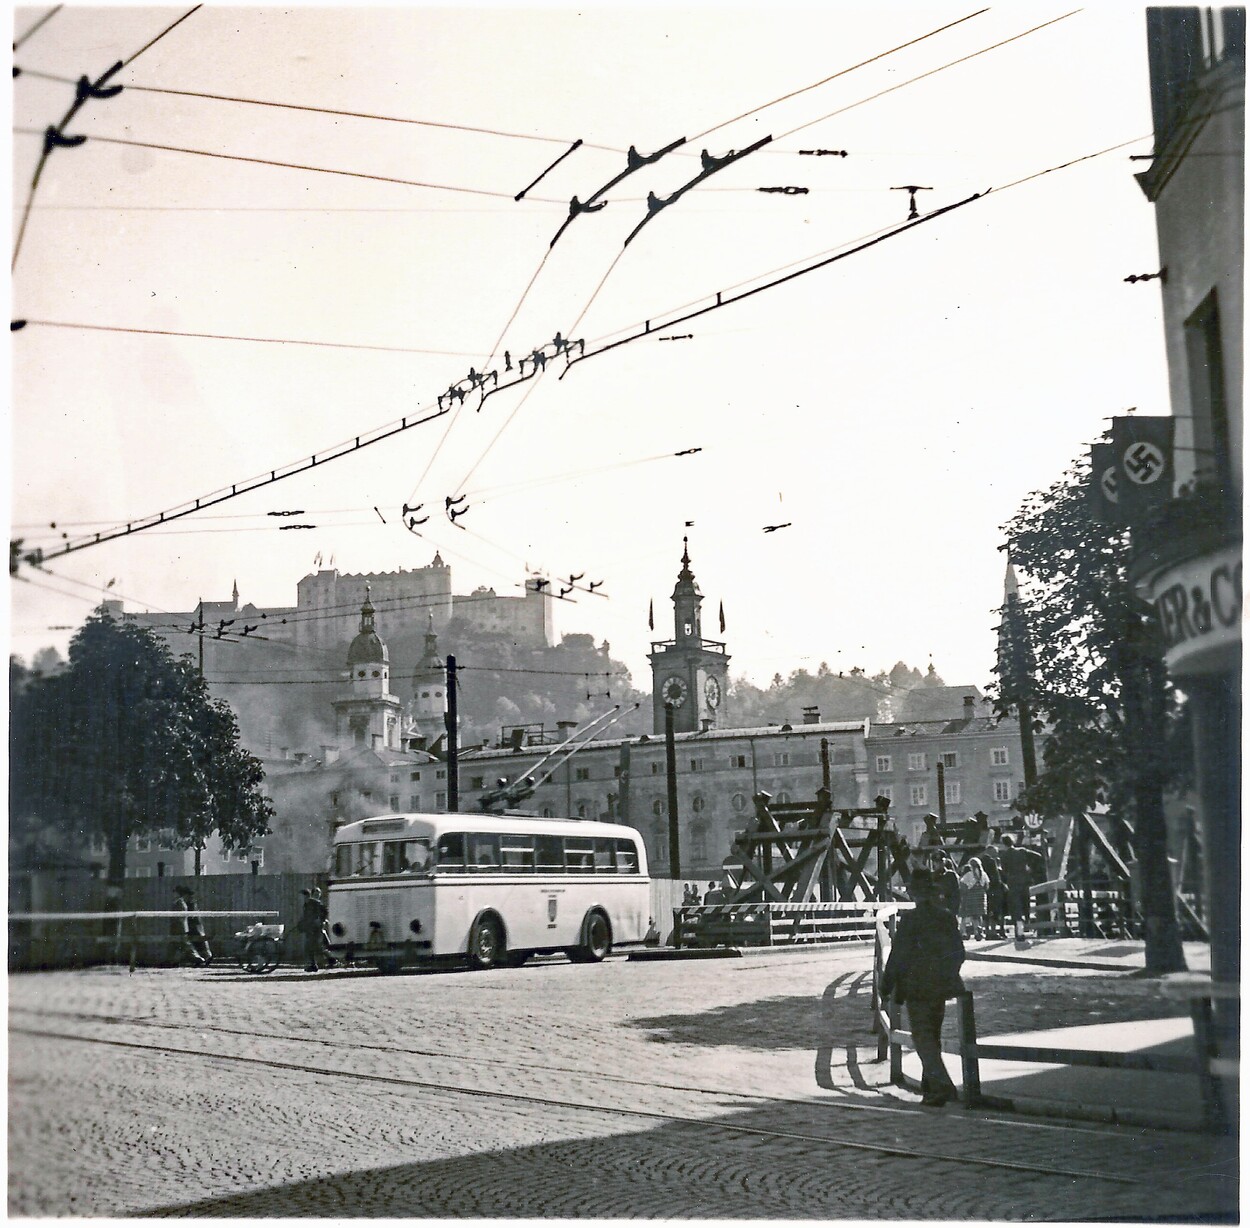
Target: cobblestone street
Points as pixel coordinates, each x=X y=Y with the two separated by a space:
x=724 y=1088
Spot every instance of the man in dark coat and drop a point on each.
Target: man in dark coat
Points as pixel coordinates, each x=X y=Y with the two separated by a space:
x=994 y=893
x=1021 y=868
x=196 y=943
x=312 y=925
x=923 y=971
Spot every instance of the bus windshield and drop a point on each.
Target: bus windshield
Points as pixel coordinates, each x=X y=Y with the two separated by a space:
x=372 y=857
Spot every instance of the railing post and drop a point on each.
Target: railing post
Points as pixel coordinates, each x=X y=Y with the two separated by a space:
x=896 y=1049
x=1204 y=1042
x=968 y=1056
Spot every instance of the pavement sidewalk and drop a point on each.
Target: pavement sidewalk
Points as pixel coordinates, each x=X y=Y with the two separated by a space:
x=1131 y=1097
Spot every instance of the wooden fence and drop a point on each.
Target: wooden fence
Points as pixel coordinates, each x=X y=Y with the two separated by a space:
x=106 y=930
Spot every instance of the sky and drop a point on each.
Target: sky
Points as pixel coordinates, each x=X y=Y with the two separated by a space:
x=891 y=409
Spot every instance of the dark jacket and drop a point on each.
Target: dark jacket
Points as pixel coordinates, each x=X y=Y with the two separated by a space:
x=1021 y=867
x=925 y=956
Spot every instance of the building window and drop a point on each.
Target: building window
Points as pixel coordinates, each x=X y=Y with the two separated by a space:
x=143 y=844
x=97 y=844
x=165 y=842
x=440 y=801
x=334 y=800
x=656 y=769
x=477 y=782
x=582 y=774
x=696 y=765
x=414 y=776
x=952 y=790
x=949 y=759
x=583 y=810
x=657 y=807
x=739 y=802
x=547 y=812
x=366 y=793
x=393 y=801
x=998 y=756
x=918 y=763
x=884 y=763
x=698 y=842
x=414 y=802
x=1205 y=354
x=394 y=778
x=1002 y=790
x=441 y=774
x=782 y=798
x=886 y=791
x=781 y=759
x=919 y=795
x=697 y=803
x=740 y=761
x=616 y=772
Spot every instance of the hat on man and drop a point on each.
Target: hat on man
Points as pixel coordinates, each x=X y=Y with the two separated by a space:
x=305 y=891
x=181 y=890
x=315 y=893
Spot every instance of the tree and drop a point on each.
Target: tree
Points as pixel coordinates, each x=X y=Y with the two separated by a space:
x=126 y=740
x=1099 y=689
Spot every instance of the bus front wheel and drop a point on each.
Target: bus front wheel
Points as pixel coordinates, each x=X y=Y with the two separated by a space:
x=597 y=940
x=485 y=943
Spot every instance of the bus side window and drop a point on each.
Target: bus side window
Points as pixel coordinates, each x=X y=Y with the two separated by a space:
x=579 y=854
x=451 y=851
x=343 y=860
x=604 y=861
x=550 y=854
x=484 y=852
x=393 y=859
x=517 y=851
x=626 y=857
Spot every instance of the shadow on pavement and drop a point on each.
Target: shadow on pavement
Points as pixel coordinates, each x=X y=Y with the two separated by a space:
x=842 y=1016
x=773 y=1162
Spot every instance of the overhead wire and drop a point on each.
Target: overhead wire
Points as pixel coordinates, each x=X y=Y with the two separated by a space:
x=834 y=76
x=169 y=332
x=85 y=89
x=52 y=12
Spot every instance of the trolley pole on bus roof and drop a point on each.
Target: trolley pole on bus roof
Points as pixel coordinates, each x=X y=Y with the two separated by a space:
x=453 y=740
x=670 y=751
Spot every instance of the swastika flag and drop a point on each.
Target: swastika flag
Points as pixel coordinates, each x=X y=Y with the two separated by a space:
x=1104 y=486
x=1143 y=454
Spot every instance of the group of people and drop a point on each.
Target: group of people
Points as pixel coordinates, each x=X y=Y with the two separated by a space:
x=311 y=928
x=713 y=895
x=992 y=888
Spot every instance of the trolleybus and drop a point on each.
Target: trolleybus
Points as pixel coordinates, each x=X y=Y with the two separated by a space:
x=490 y=888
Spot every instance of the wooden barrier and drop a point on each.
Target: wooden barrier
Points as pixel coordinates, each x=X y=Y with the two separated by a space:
x=774 y=924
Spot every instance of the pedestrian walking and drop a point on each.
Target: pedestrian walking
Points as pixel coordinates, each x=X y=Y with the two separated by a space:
x=948 y=882
x=1020 y=868
x=973 y=893
x=195 y=942
x=923 y=972
x=312 y=925
x=993 y=893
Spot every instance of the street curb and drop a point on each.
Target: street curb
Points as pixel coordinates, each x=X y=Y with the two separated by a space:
x=798 y=948
x=1090 y=964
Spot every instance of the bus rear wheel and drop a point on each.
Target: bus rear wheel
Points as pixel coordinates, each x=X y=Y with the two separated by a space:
x=486 y=948
x=598 y=940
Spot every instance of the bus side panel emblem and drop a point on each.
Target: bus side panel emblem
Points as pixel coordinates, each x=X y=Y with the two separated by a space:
x=551 y=911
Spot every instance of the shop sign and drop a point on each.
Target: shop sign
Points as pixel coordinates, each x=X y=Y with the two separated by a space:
x=1199 y=604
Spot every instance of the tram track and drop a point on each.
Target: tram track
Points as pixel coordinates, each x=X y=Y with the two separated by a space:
x=990 y=1118
x=892 y=1150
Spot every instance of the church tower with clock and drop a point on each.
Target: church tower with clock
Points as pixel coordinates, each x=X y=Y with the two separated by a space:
x=688 y=671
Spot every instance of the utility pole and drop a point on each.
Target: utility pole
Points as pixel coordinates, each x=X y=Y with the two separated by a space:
x=622 y=800
x=941 y=787
x=199 y=848
x=674 y=836
x=453 y=740
x=824 y=765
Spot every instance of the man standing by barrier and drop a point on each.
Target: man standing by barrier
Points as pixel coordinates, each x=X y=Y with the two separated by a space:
x=194 y=939
x=923 y=971
x=1021 y=868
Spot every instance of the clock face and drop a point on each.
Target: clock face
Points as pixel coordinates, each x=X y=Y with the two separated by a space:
x=711 y=691
x=674 y=691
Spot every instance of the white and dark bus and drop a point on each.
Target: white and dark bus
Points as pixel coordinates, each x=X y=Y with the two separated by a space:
x=490 y=888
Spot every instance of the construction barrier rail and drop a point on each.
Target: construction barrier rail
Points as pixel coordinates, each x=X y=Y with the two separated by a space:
x=775 y=924
x=1060 y=910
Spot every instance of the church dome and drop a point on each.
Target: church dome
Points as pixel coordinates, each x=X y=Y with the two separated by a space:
x=367 y=648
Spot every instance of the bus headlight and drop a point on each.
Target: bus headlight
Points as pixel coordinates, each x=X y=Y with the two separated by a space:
x=337 y=929
x=414 y=925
